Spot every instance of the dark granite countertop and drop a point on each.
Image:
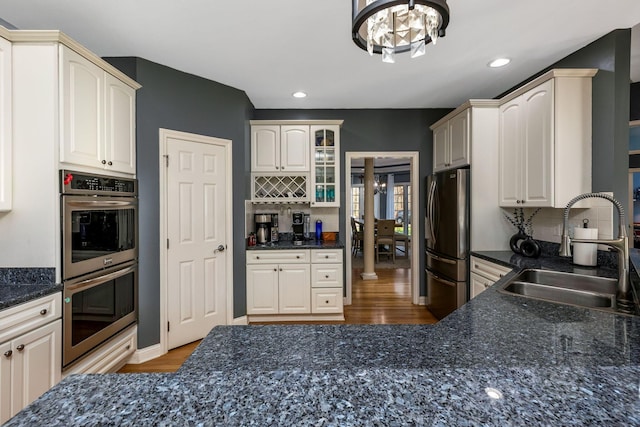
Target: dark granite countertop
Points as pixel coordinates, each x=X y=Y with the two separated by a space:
x=307 y=244
x=553 y=364
x=20 y=285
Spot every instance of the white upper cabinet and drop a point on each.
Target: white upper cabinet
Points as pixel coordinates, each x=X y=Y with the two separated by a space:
x=294 y=149
x=98 y=116
x=545 y=141
x=265 y=148
x=277 y=148
x=6 y=174
x=451 y=142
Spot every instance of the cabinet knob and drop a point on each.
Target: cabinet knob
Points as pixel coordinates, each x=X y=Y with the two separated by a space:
x=20 y=347
x=104 y=162
x=326 y=302
x=326 y=276
x=8 y=353
x=326 y=256
x=128 y=347
x=298 y=256
x=277 y=167
x=518 y=201
x=275 y=269
x=257 y=257
x=280 y=269
x=282 y=168
x=110 y=163
x=43 y=311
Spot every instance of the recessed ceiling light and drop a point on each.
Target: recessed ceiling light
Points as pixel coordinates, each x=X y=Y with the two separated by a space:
x=299 y=94
x=500 y=62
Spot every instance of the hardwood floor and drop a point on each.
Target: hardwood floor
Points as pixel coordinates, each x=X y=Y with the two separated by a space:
x=386 y=300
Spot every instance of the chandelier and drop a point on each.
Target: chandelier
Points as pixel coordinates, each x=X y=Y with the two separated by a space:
x=388 y=27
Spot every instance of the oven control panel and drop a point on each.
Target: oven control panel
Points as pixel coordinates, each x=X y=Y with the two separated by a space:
x=91 y=184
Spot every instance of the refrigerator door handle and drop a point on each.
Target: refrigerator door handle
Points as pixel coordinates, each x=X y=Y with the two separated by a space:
x=445 y=260
x=440 y=279
x=431 y=210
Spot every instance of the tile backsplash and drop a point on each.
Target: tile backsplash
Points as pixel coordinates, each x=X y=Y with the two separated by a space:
x=547 y=223
x=328 y=216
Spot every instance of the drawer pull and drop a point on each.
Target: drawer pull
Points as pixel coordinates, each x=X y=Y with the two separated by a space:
x=298 y=256
x=326 y=277
x=326 y=256
x=43 y=311
x=280 y=269
x=8 y=353
x=257 y=257
x=326 y=302
x=275 y=269
x=20 y=347
x=128 y=347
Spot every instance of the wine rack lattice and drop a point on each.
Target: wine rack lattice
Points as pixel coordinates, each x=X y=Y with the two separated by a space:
x=280 y=188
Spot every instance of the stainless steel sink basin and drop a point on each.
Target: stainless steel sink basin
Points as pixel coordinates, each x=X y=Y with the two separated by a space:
x=565 y=288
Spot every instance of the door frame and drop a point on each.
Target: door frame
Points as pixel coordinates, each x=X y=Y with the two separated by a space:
x=414 y=157
x=630 y=231
x=165 y=134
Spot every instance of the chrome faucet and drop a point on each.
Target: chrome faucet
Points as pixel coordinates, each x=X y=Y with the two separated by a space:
x=621 y=244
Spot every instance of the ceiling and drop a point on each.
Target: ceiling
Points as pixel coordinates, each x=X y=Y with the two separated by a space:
x=271 y=49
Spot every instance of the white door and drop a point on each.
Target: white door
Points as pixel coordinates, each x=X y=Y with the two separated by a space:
x=459 y=137
x=510 y=164
x=120 y=125
x=294 y=288
x=265 y=148
x=262 y=289
x=197 y=235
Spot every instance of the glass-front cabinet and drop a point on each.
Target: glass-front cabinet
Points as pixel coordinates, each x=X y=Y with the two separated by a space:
x=325 y=165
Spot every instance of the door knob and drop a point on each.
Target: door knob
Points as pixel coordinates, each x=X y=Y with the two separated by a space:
x=221 y=248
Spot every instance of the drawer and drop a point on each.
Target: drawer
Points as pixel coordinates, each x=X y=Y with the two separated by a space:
x=488 y=269
x=278 y=256
x=326 y=300
x=326 y=275
x=478 y=284
x=30 y=315
x=328 y=256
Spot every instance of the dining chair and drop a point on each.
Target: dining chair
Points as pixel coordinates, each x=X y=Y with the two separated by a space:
x=357 y=237
x=386 y=237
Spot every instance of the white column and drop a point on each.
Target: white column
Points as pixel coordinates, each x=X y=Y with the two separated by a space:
x=369 y=226
x=389 y=195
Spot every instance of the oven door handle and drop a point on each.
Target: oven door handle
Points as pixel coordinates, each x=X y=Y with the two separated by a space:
x=99 y=203
x=100 y=279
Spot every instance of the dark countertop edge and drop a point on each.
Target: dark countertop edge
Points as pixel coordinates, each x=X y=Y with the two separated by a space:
x=29 y=292
x=288 y=245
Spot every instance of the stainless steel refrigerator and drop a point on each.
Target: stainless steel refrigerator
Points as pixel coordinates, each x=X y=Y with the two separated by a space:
x=447 y=241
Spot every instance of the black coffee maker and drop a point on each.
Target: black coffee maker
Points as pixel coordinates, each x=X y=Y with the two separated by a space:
x=298 y=226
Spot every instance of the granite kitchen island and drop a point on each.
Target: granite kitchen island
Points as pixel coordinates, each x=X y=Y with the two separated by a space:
x=550 y=364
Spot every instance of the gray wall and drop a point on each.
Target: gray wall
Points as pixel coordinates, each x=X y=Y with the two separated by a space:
x=175 y=100
x=377 y=130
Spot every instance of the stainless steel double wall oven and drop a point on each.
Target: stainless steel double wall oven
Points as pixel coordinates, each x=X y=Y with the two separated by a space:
x=99 y=259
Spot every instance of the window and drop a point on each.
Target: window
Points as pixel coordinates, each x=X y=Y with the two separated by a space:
x=402 y=207
x=355 y=201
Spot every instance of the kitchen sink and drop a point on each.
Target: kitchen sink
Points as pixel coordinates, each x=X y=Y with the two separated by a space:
x=565 y=288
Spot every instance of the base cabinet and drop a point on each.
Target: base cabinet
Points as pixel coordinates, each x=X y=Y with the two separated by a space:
x=30 y=366
x=294 y=284
x=483 y=275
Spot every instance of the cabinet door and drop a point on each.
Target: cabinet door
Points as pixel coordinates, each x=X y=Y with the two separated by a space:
x=295 y=288
x=36 y=364
x=440 y=147
x=6 y=180
x=325 y=166
x=510 y=164
x=81 y=89
x=6 y=356
x=478 y=284
x=538 y=162
x=459 y=138
x=294 y=148
x=120 y=126
x=326 y=300
x=265 y=148
x=262 y=289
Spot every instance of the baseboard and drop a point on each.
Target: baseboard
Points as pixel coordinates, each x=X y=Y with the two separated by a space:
x=242 y=320
x=145 y=354
x=422 y=301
